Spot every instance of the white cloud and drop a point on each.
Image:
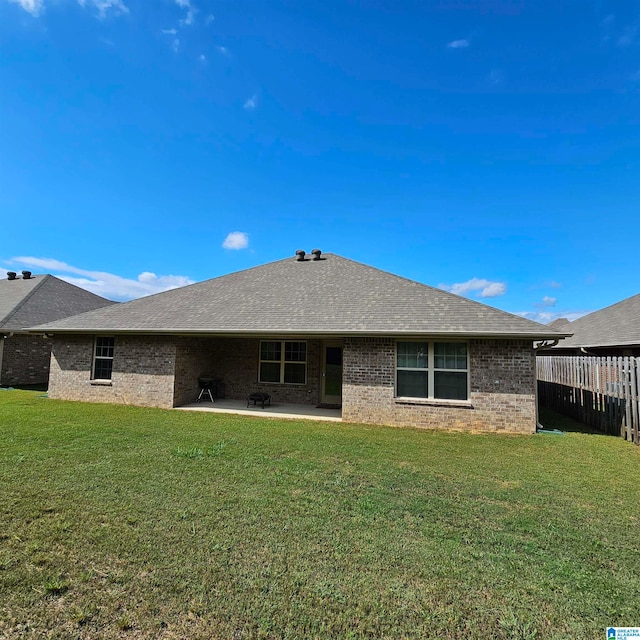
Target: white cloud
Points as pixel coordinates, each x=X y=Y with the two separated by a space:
x=189 y=18
x=170 y=32
x=236 y=240
x=485 y=288
x=34 y=7
x=105 y=284
x=545 y=317
x=209 y=19
x=116 y=7
x=458 y=44
x=224 y=51
x=191 y=12
x=202 y=57
x=175 y=45
x=546 y=302
x=251 y=103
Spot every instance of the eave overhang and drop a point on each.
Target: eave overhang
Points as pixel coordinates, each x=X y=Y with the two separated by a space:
x=297 y=333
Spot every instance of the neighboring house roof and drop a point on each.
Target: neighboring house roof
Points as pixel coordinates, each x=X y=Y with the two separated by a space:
x=42 y=298
x=559 y=323
x=333 y=295
x=616 y=325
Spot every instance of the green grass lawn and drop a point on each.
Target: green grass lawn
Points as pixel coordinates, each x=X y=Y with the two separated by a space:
x=122 y=522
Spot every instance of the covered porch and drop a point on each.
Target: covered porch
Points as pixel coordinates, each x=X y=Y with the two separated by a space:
x=303 y=377
x=276 y=410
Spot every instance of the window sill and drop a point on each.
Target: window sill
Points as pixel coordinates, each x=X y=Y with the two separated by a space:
x=101 y=383
x=283 y=384
x=436 y=402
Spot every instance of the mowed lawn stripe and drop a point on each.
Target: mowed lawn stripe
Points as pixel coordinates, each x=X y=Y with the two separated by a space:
x=130 y=522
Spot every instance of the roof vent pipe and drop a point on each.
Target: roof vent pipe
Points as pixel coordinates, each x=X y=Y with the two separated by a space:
x=11 y=275
x=300 y=255
x=316 y=253
x=26 y=275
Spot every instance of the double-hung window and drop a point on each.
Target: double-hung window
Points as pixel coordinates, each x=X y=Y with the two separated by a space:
x=283 y=361
x=103 y=358
x=437 y=370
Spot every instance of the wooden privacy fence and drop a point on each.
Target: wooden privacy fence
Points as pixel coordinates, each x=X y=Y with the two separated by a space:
x=600 y=392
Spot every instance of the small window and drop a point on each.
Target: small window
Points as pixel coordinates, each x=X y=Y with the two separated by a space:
x=283 y=361
x=436 y=370
x=103 y=358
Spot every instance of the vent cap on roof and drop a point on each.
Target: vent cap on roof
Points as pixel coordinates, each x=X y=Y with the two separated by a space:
x=300 y=255
x=316 y=253
x=26 y=275
x=11 y=275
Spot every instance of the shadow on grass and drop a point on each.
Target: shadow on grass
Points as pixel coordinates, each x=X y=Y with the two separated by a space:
x=553 y=420
x=25 y=387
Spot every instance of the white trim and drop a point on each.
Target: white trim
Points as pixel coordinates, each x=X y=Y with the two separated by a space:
x=431 y=371
x=282 y=362
x=97 y=357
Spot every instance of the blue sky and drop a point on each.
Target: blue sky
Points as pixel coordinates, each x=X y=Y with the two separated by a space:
x=486 y=146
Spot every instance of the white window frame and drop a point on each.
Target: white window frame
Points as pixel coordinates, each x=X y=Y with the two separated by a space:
x=283 y=362
x=432 y=370
x=97 y=357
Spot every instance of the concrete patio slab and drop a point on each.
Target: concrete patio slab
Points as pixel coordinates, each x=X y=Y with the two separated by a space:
x=276 y=410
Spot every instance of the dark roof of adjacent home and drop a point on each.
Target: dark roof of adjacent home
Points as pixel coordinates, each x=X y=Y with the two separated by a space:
x=331 y=296
x=616 y=325
x=41 y=298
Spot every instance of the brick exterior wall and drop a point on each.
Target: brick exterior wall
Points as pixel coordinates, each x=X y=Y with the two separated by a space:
x=25 y=360
x=143 y=371
x=234 y=361
x=502 y=388
x=163 y=372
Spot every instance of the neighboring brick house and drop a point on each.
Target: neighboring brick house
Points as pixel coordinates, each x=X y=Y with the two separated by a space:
x=324 y=330
x=28 y=300
x=612 y=331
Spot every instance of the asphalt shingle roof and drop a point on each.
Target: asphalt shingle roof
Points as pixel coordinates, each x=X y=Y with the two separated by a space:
x=616 y=325
x=329 y=296
x=42 y=298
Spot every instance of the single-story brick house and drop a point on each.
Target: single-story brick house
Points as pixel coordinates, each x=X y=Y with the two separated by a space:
x=321 y=330
x=28 y=300
x=612 y=331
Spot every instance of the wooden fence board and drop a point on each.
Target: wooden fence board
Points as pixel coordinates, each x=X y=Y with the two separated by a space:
x=602 y=392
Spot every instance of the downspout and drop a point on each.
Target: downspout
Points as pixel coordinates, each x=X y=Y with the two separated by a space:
x=3 y=337
x=545 y=344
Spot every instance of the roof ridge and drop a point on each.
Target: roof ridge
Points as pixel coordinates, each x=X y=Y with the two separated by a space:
x=24 y=300
x=445 y=292
x=333 y=295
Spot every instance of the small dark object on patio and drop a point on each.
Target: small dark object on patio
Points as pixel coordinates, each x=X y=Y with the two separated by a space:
x=258 y=397
x=206 y=388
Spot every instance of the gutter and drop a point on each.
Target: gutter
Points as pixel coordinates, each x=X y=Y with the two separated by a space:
x=284 y=332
